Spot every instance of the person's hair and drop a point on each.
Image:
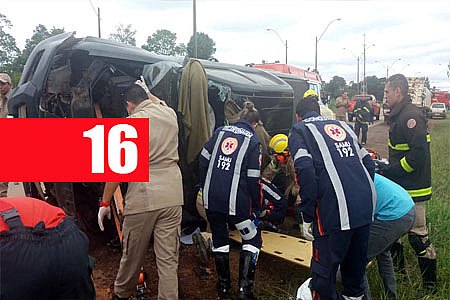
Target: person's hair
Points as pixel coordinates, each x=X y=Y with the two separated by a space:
x=250 y=113
x=307 y=104
x=135 y=94
x=399 y=81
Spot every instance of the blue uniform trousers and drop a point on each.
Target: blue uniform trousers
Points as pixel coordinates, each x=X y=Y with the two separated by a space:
x=219 y=229
x=345 y=248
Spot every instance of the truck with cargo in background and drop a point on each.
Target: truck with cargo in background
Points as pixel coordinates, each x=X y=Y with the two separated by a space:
x=419 y=93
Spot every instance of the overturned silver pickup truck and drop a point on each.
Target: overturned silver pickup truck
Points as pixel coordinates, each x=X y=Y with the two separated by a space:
x=69 y=77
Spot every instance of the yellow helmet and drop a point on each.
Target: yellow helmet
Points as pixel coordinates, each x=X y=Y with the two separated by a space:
x=279 y=143
x=310 y=93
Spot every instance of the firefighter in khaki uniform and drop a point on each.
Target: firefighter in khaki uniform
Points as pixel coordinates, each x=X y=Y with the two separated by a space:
x=151 y=207
x=410 y=167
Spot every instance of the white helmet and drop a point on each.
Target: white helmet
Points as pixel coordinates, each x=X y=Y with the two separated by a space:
x=304 y=292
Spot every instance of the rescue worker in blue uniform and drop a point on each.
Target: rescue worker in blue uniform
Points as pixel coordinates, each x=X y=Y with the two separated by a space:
x=337 y=193
x=229 y=168
x=410 y=167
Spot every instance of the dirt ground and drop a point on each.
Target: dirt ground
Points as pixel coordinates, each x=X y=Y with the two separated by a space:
x=275 y=279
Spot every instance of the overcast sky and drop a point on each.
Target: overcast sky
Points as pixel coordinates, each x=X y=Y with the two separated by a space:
x=417 y=32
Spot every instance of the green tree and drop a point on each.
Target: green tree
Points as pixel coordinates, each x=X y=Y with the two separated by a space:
x=335 y=87
x=205 y=46
x=40 y=33
x=124 y=34
x=163 y=42
x=375 y=86
x=8 y=48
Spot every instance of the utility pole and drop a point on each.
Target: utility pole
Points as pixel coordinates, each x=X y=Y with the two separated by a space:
x=364 y=67
x=318 y=39
x=98 y=21
x=357 y=67
x=194 y=2
x=282 y=41
x=97 y=13
x=286 y=51
x=357 y=75
x=315 y=57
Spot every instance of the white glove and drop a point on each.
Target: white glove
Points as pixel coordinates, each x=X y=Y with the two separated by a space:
x=142 y=84
x=102 y=212
x=307 y=231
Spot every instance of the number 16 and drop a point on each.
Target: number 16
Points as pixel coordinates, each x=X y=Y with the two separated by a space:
x=115 y=146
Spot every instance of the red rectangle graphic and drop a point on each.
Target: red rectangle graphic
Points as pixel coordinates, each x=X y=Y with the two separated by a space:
x=74 y=150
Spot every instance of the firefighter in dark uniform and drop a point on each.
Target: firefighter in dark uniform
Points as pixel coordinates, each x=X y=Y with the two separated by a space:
x=362 y=114
x=337 y=193
x=43 y=254
x=230 y=165
x=410 y=167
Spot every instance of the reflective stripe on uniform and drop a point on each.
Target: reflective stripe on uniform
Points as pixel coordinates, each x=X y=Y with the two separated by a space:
x=362 y=152
x=420 y=193
x=271 y=192
x=352 y=298
x=223 y=249
x=250 y=248
x=206 y=154
x=398 y=147
x=210 y=169
x=334 y=177
x=302 y=153
x=404 y=147
x=237 y=176
x=253 y=173
x=405 y=165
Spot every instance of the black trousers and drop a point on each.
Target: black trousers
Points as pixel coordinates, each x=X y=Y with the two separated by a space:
x=38 y=263
x=219 y=228
x=361 y=127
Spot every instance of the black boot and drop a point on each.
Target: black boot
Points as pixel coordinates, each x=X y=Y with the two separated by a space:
x=247 y=266
x=428 y=270
x=223 y=274
x=398 y=258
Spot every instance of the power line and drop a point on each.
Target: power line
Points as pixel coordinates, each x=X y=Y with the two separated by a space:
x=93 y=8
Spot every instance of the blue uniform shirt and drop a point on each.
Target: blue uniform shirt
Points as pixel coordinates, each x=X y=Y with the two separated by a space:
x=334 y=174
x=393 y=202
x=229 y=168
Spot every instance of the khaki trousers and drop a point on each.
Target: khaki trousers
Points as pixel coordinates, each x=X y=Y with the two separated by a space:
x=3 y=189
x=164 y=224
x=420 y=228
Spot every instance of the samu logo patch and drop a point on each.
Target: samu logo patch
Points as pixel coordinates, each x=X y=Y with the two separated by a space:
x=335 y=132
x=229 y=145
